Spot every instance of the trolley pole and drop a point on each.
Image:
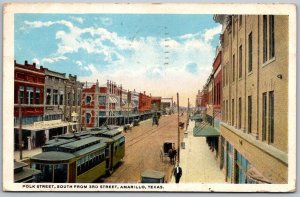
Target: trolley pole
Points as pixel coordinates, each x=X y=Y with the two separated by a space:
x=20 y=126
x=178 y=130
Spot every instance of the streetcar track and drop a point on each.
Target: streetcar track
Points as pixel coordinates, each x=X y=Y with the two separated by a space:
x=146 y=133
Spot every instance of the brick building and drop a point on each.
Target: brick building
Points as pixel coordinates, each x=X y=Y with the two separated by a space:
x=217 y=89
x=100 y=104
x=144 y=103
x=29 y=84
x=155 y=103
x=254 y=129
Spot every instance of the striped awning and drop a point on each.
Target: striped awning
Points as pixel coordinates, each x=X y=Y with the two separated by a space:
x=113 y=100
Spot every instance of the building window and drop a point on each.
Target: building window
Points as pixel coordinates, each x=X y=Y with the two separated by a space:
x=233 y=67
x=78 y=98
x=227 y=111
x=88 y=100
x=102 y=100
x=241 y=165
x=249 y=114
x=61 y=97
x=37 y=95
x=74 y=97
x=29 y=94
x=271 y=37
x=232 y=112
x=240 y=20
x=250 y=52
x=240 y=113
x=69 y=98
x=240 y=61
x=223 y=76
x=233 y=26
x=48 y=96
x=88 y=118
x=55 y=97
x=265 y=41
x=21 y=89
x=229 y=161
x=223 y=112
x=271 y=117
x=264 y=116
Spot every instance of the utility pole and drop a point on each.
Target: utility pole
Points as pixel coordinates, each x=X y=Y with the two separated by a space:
x=178 y=128
x=188 y=114
x=20 y=126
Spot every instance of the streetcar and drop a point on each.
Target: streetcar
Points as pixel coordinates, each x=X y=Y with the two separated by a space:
x=80 y=157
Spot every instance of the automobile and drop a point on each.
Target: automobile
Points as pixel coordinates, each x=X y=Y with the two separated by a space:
x=152 y=176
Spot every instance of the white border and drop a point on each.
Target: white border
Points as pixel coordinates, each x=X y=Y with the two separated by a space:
x=175 y=8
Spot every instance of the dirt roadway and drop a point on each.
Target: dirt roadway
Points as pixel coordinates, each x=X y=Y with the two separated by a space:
x=143 y=144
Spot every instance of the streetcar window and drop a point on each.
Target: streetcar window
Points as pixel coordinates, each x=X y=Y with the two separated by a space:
x=60 y=173
x=47 y=172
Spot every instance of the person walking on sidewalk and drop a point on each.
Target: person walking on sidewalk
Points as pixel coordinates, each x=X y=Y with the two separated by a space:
x=177 y=172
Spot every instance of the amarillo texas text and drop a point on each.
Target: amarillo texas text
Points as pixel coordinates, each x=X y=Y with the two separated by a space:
x=93 y=186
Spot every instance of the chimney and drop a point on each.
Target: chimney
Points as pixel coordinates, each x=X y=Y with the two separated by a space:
x=15 y=62
x=34 y=64
x=26 y=62
x=144 y=92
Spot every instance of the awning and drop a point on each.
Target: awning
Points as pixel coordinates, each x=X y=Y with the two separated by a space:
x=206 y=131
x=43 y=125
x=113 y=100
x=254 y=174
x=196 y=117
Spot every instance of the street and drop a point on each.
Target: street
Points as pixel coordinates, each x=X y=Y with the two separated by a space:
x=143 y=144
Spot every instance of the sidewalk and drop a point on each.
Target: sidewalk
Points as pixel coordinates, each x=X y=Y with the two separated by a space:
x=198 y=163
x=26 y=154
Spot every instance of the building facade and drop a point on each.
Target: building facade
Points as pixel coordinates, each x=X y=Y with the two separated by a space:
x=72 y=105
x=254 y=129
x=29 y=82
x=155 y=103
x=144 y=103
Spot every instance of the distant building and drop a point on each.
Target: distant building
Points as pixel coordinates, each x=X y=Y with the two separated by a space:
x=167 y=105
x=144 y=103
x=254 y=127
x=156 y=103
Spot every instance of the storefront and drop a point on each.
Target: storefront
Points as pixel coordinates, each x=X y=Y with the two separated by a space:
x=36 y=134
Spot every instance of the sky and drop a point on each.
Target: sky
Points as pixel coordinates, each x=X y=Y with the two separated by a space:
x=161 y=54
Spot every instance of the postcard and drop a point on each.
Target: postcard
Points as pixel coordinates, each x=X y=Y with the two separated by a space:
x=171 y=97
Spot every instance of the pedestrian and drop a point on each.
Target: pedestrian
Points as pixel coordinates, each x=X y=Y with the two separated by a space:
x=171 y=156
x=177 y=172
